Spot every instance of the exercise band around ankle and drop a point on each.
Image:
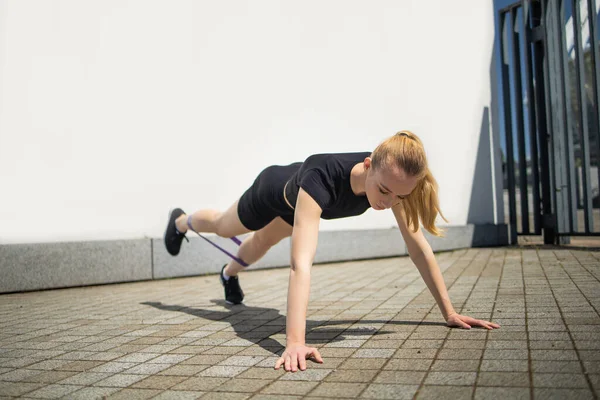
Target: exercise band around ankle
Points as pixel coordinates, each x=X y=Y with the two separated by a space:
x=234 y=239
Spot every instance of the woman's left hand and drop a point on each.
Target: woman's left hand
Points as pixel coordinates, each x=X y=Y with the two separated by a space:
x=462 y=321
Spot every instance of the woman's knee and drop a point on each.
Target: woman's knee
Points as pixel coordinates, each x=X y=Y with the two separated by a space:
x=263 y=240
x=224 y=228
x=228 y=224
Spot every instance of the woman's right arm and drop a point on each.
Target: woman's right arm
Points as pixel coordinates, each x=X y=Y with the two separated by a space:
x=304 y=245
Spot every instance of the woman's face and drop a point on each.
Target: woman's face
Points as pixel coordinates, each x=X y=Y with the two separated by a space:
x=386 y=187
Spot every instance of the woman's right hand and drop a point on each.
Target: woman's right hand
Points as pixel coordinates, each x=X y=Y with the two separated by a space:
x=295 y=357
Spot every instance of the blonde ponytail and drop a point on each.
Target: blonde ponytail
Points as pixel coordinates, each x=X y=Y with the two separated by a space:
x=406 y=151
x=423 y=204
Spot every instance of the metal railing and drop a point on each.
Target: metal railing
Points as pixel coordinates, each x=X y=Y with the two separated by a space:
x=550 y=74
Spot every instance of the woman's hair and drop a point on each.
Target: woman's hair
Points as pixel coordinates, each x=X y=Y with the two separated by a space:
x=405 y=150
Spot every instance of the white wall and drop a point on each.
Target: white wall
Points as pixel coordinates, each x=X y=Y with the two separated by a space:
x=111 y=112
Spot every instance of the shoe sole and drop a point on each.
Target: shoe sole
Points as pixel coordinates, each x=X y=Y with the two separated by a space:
x=166 y=230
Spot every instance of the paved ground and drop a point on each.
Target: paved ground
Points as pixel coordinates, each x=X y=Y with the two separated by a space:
x=375 y=322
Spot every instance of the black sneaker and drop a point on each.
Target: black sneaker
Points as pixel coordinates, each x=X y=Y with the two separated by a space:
x=173 y=238
x=233 y=291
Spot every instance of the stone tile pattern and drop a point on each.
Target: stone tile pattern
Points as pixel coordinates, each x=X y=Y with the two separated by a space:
x=375 y=323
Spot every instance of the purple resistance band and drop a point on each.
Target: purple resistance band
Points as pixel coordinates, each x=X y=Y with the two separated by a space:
x=235 y=240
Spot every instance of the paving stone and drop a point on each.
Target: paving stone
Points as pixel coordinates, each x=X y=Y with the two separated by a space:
x=244 y=361
x=514 y=379
x=491 y=354
x=336 y=352
x=134 y=394
x=178 y=395
x=565 y=367
x=204 y=359
x=346 y=343
x=551 y=345
x=422 y=344
x=415 y=353
x=400 y=377
x=120 y=380
x=48 y=364
x=591 y=367
x=289 y=388
x=338 y=389
x=80 y=366
x=159 y=382
x=455 y=365
x=366 y=363
x=87 y=393
x=450 y=378
x=261 y=373
x=84 y=378
x=501 y=393
x=275 y=397
x=382 y=344
x=113 y=367
x=373 y=353
x=222 y=371
x=560 y=394
x=589 y=355
x=137 y=357
x=183 y=370
x=169 y=359
x=53 y=391
x=459 y=354
x=146 y=369
x=268 y=362
x=549 y=336
x=243 y=385
x=225 y=396
x=465 y=344
x=472 y=334
x=328 y=363
x=407 y=364
x=18 y=388
x=506 y=344
x=444 y=392
x=200 y=384
x=306 y=375
x=20 y=375
x=559 y=380
x=504 y=365
x=559 y=355
x=385 y=391
x=352 y=375
x=221 y=350
x=190 y=350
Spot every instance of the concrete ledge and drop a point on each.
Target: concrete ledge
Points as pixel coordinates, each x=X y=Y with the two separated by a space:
x=25 y=267
x=37 y=266
x=460 y=237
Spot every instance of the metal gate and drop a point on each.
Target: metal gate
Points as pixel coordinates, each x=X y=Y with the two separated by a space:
x=550 y=73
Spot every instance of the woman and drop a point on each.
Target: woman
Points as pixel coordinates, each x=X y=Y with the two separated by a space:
x=291 y=200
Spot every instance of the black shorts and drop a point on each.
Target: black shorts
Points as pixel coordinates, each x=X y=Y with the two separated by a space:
x=264 y=201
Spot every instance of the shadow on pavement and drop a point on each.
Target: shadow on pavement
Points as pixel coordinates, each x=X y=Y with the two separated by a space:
x=257 y=324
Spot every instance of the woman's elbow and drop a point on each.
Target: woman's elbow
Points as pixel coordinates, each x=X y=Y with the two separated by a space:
x=417 y=251
x=298 y=264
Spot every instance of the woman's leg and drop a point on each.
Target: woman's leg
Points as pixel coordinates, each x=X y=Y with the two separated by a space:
x=225 y=224
x=258 y=243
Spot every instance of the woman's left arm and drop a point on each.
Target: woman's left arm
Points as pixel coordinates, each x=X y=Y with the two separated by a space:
x=422 y=256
